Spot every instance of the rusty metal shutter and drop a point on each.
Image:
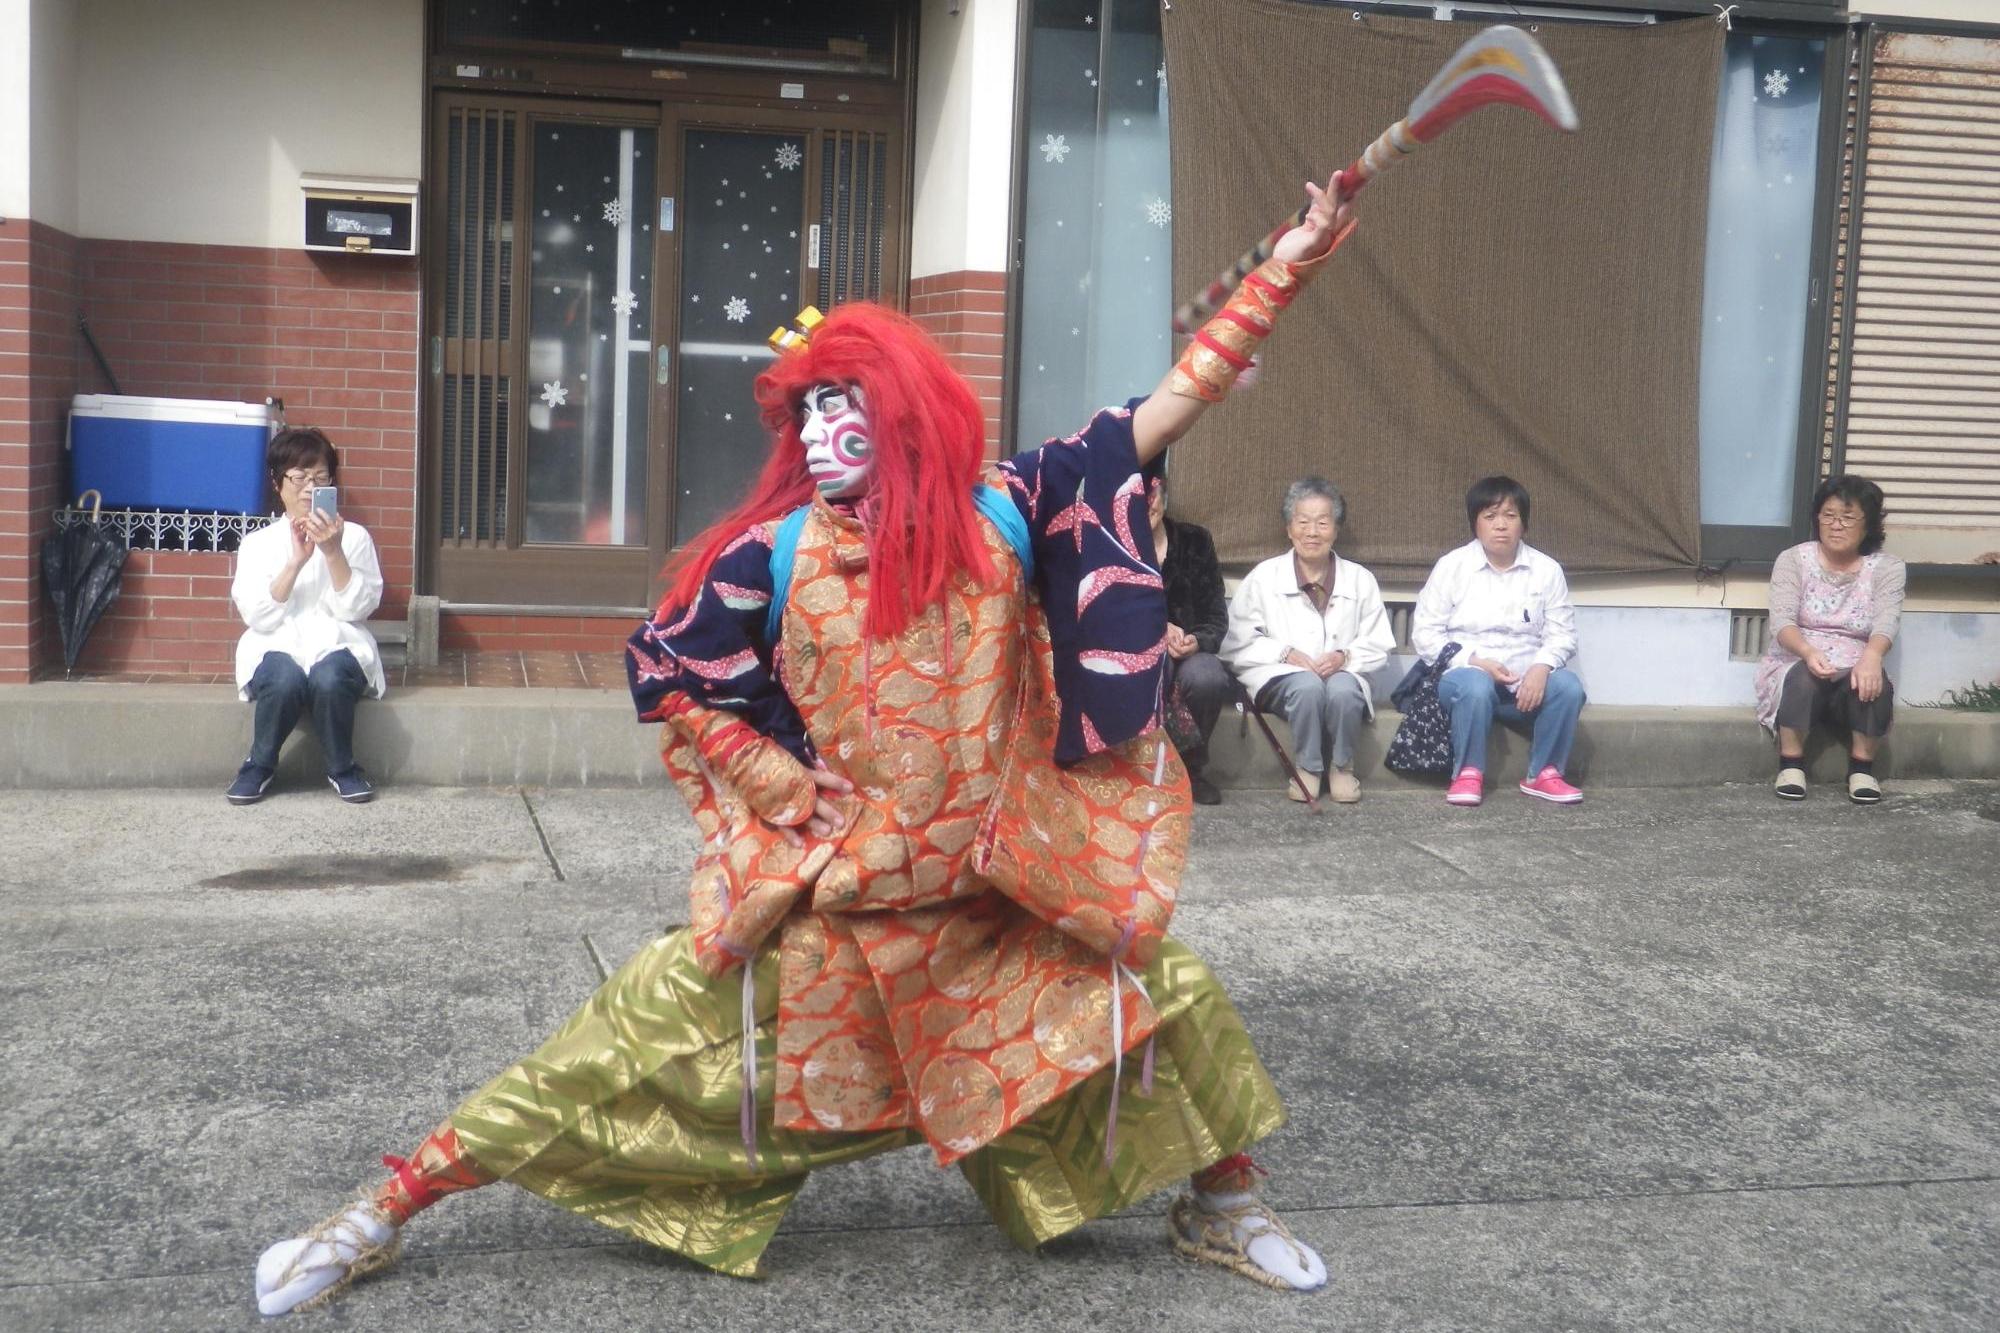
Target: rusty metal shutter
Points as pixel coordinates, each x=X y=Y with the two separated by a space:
x=1923 y=388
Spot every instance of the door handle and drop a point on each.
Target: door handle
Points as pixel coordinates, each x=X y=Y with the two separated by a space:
x=663 y=365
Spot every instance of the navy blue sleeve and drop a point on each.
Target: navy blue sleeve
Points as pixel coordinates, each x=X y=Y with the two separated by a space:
x=714 y=652
x=1085 y=506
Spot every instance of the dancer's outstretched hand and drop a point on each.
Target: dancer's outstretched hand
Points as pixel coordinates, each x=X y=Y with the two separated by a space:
x=1329 y=214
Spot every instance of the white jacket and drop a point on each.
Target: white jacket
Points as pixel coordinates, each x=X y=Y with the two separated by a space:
x=315 y=621
x=1269 y=616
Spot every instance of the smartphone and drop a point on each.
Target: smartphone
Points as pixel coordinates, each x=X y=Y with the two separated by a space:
x=326 y=499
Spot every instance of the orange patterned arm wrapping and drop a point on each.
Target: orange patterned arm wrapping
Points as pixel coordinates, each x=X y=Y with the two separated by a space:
x=1223 y=348
x=765 y=775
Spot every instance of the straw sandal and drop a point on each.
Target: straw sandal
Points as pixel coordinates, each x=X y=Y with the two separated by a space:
x=1211 y=1237
x=338 y=1234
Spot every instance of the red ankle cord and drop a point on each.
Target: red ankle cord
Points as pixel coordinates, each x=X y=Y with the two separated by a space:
x=421 y=1194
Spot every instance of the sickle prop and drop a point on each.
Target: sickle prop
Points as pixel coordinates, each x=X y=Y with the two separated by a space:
x=1499 y=65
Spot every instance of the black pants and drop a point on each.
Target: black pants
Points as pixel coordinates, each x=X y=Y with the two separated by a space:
x=280 y=691
x=1205 y=685
x=1808 y=700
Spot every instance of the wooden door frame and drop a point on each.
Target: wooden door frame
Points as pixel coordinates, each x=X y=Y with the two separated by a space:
x=809 y=124
x=513 y=573
x=544 y=577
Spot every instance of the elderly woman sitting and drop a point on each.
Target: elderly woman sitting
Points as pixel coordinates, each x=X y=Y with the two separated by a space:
x=1507 y=606
x=1305 y=629
x=1836 y=603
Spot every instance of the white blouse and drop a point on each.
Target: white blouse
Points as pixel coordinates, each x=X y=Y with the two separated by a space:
x=1518 y=616
x=317 y=620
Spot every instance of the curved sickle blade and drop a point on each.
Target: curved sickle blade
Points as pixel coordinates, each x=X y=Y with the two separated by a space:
x=1499 y=64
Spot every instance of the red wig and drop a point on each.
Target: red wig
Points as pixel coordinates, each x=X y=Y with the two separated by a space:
x=927 y=438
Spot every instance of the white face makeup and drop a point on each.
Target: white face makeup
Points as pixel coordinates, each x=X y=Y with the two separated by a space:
x=834 y=429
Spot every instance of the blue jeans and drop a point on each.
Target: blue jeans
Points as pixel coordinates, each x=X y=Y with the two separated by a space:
x=280 y=691
x=1474 y=699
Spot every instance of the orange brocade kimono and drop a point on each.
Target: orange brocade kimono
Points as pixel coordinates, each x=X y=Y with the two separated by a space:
x=946 y=963
x=987 y=933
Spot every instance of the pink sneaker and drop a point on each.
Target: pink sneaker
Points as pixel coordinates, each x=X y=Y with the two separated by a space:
x=1549 y=785
x=1467 y=788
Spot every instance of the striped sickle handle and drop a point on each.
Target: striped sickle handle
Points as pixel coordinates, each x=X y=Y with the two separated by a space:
x=1393 y=145
x=1497 y=66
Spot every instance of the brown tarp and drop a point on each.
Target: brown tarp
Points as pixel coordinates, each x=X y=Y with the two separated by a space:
x=1515 y=300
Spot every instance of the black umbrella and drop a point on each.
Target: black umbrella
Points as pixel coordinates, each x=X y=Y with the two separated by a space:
x=82 y=567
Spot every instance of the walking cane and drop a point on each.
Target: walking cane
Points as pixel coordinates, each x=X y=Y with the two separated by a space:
x=1248 y=707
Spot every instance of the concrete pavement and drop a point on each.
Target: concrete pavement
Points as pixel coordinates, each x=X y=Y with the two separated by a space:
x=1674 y=1059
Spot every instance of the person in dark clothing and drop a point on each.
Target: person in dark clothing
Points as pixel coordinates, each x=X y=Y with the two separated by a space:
x=1198 y=684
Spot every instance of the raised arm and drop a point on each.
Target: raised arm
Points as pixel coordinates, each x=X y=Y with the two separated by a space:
x=1222 y=349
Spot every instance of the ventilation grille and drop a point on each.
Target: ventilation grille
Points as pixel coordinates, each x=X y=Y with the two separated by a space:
x=853 y=215
x=1749 y=633
x=1400 y=616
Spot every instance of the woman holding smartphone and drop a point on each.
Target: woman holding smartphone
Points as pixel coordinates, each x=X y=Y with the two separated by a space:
x=305 y=584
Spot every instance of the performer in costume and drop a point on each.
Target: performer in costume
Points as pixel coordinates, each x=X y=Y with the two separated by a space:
x=913 y=702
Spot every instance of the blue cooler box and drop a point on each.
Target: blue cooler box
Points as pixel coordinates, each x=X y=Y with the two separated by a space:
x=170 y=453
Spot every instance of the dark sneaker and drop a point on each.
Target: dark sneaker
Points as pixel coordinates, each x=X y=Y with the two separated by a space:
x=352 y=786
x=252 y=781
x=1205 y=792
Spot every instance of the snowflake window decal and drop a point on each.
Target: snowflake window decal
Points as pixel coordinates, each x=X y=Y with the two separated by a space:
x=614 y=211
x=555 y=393
x=737 y=309
x=789 y=157
x=624 y=303
x=1777 y=83
x=1159 y=212
x=1055 y=148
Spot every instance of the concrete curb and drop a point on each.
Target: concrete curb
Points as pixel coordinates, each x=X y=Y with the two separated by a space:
x=88 y=735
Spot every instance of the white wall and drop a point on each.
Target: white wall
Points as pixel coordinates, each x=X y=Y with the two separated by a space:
x=38 y=46
x=1679 y=658
x=1964 y=11
x=52 y=168
x=15 y=46
x=965 y=136
x=195 y=120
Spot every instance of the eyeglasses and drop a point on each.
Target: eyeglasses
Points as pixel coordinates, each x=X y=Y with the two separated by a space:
x=1842 y=521
x=300 y=478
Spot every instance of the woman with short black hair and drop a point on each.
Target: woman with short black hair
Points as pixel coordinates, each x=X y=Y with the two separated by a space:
x=1507 y=607
x=304 y=585
x=1836 y=604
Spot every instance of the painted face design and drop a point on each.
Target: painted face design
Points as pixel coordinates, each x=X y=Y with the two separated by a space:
x=834 y=430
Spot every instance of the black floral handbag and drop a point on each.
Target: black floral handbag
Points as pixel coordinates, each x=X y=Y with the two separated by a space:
x=1423 y=743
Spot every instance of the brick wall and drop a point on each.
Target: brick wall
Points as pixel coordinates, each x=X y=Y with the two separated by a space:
x=335 y=336
x=534 y=634
x=966 y=312
x=38 y=289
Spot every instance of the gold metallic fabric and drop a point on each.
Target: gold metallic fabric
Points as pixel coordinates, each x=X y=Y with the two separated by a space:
x=629 y=1115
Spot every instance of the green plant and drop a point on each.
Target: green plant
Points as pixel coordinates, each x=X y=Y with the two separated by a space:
x=1975 y=698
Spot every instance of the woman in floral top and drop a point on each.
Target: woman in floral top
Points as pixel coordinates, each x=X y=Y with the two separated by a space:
x=1836 y=603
